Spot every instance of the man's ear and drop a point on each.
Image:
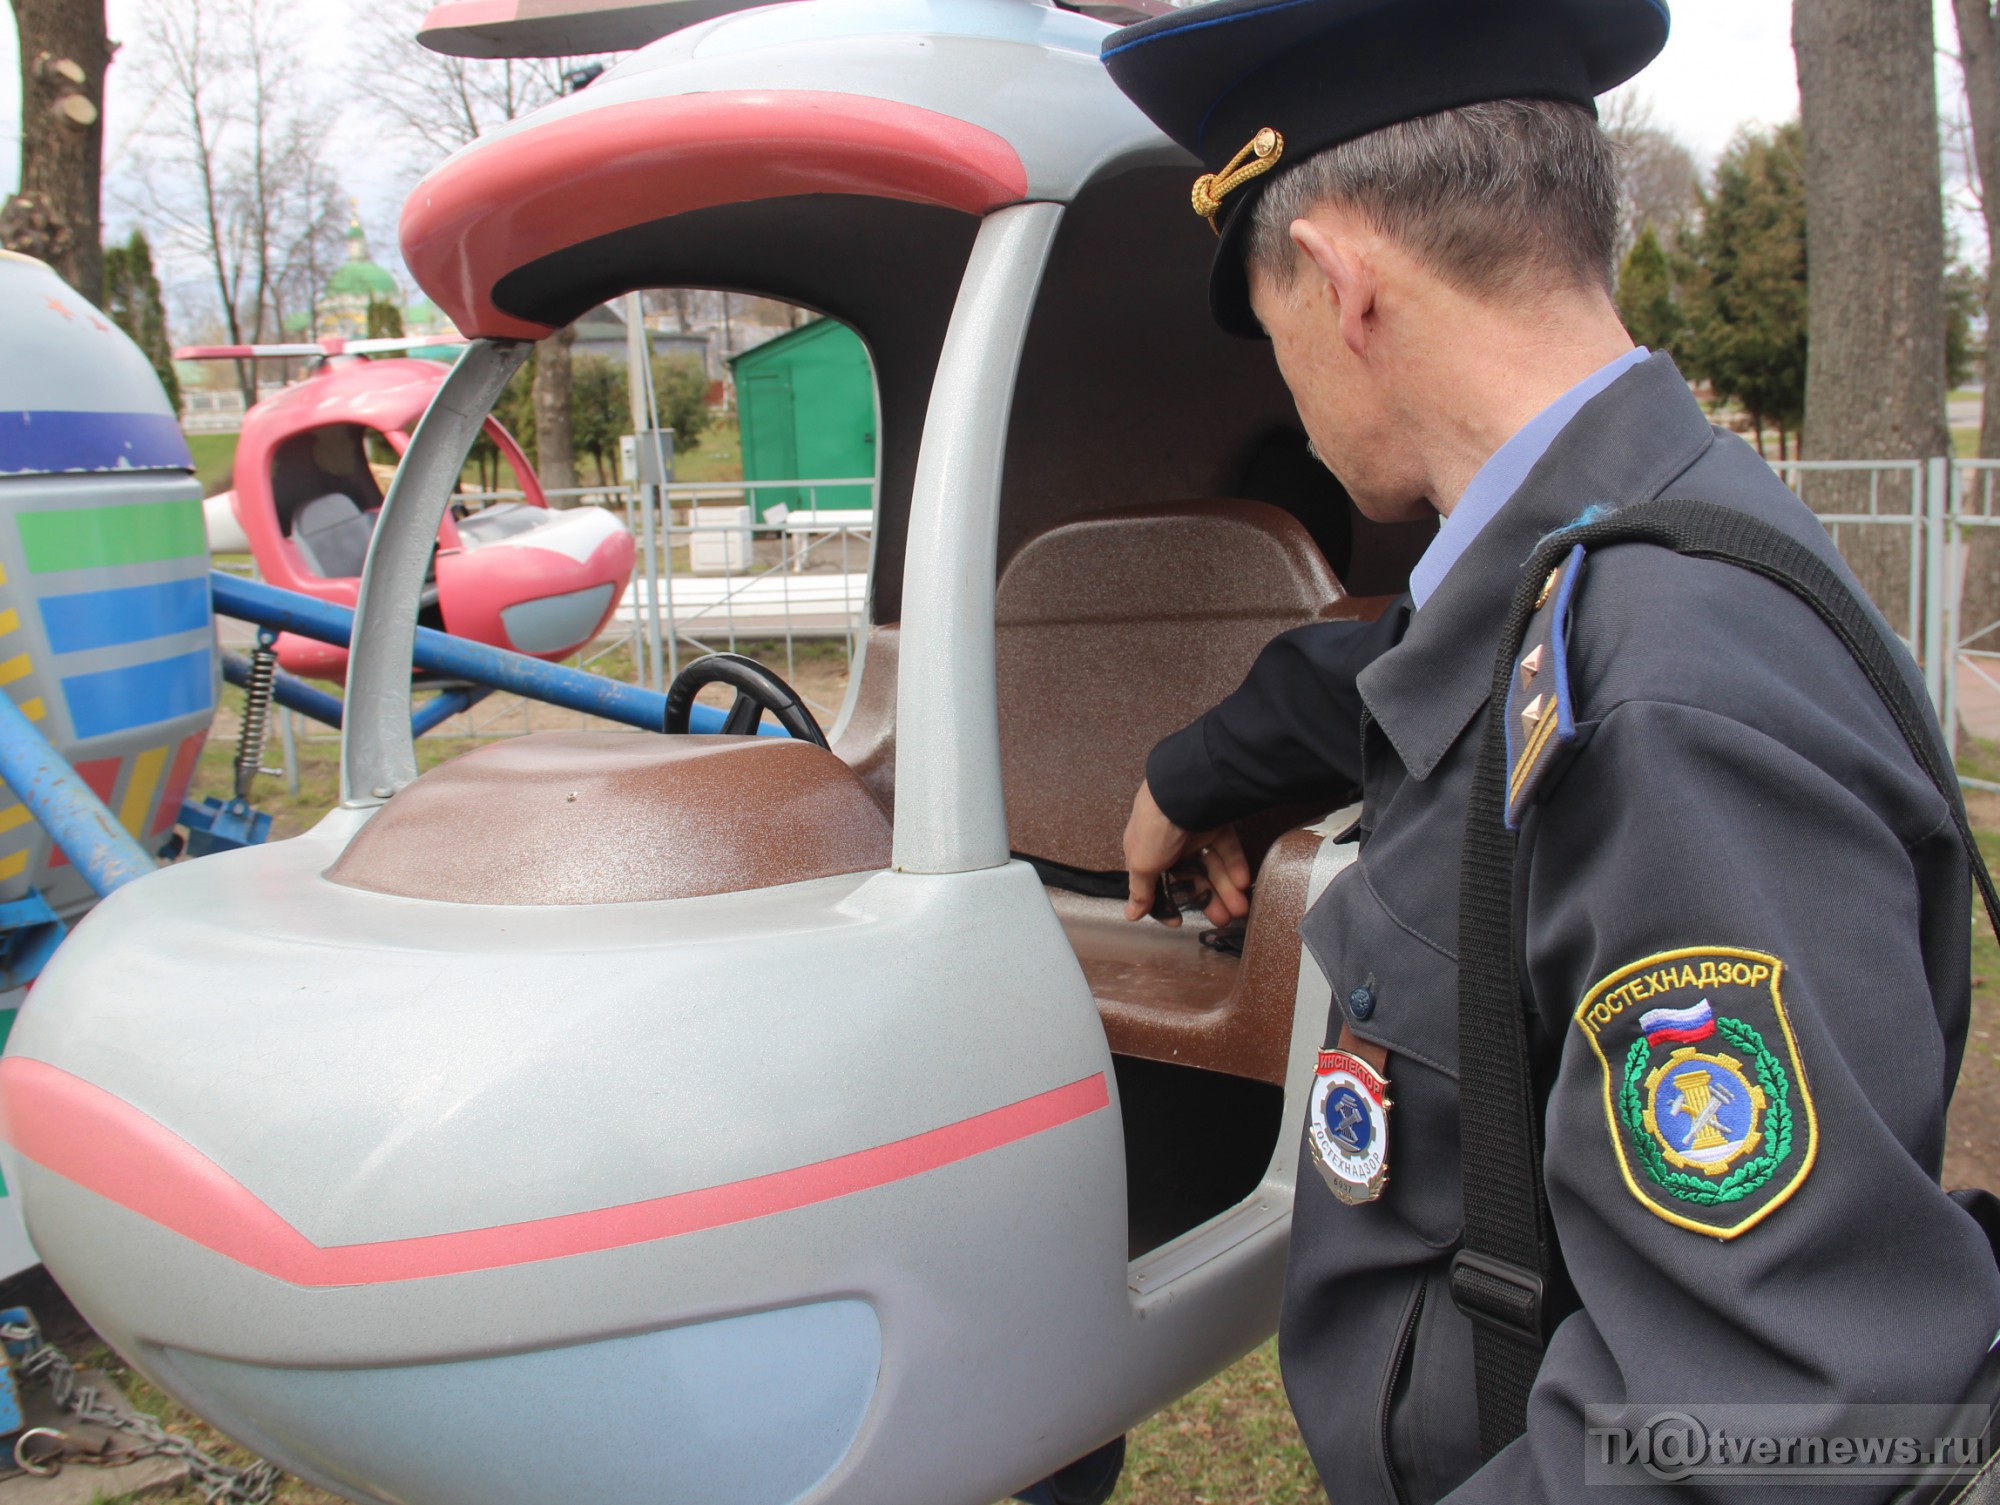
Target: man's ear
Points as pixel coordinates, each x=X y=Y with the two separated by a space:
x=1346 y=275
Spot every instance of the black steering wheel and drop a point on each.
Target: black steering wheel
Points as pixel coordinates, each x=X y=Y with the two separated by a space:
x=757 y=690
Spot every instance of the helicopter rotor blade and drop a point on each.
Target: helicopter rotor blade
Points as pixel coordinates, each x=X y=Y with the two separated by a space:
x=321 y=349
x=246 y=352
x=387 y=343
x=560 y=28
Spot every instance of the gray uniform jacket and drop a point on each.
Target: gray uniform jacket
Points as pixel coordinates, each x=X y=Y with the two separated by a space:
x=1733 y=791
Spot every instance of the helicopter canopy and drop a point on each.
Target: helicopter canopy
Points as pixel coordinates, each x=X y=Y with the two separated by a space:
x=574 y=28
x=961 y=107
x=840 y=155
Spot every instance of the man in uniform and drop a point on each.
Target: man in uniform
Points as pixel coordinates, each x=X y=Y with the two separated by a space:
x=1740 y=905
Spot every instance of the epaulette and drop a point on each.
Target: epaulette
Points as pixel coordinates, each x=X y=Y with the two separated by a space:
x=1540 y=719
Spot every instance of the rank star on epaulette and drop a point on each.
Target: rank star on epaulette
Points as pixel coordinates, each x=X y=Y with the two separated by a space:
x=1540 y=722
x=1705 y=1096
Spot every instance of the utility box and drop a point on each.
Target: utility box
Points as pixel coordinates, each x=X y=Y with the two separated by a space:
x=719 y=542
x=646 y=458
x=806 y=404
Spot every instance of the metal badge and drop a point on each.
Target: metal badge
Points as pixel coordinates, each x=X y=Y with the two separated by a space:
x=1348 y=1126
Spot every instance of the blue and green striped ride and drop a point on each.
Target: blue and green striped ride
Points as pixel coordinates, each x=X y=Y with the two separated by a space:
x=107 y=643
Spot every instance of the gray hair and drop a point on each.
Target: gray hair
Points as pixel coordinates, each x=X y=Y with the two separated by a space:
x=1511 y=197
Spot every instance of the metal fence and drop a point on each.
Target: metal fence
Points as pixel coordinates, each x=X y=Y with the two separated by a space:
x=1944 y=517
x=757 y=566
x=1968 y=504
x=764 y=567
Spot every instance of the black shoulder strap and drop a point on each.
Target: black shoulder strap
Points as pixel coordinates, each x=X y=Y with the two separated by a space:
x=1509 y=1261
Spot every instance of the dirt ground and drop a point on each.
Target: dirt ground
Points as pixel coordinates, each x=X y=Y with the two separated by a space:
x=1972 y=1148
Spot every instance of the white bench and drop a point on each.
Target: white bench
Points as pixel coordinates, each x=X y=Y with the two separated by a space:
x=804 y=524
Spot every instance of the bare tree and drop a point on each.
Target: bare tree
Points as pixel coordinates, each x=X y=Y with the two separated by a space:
x=1875 y=250
x=441 y=103
x=434 y=100
x=233 y=164
x=310 y=242
x=64 y=54
x=1657 y=173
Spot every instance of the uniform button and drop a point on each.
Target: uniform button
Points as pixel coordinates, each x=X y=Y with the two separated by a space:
x=1361 y=1002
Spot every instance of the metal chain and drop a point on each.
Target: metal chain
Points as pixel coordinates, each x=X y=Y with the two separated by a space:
x=218 y=1482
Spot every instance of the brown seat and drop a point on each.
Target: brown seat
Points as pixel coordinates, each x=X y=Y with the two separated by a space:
x=616 y=817
x=1113 y=631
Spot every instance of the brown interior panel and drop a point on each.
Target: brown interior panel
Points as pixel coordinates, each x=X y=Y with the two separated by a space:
x=617 y=817
x=1118 y=628
x=1113 y=630
x=1166 y=997
x=867 y=741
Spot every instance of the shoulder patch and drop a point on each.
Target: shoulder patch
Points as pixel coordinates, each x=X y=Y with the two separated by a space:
x=1540 y=719
x=1705 y=1097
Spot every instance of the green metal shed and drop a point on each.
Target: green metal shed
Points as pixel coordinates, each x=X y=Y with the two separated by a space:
x=806 y=403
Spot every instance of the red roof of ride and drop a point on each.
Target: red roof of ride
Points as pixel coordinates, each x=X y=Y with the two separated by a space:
x=510 y=201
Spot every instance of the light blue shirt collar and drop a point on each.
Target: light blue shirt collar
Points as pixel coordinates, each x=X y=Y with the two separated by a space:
x=1502 y=474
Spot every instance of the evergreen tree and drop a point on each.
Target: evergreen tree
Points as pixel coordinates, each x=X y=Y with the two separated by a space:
x=681 y=385
x=385 y=320
x=1964 y=301
x=1646 y=300
x=132 y=298
x=1745 y=293
x=601 y=410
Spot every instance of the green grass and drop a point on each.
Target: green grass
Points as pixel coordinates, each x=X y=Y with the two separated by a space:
x=319 y=772
x=718 y=457
x=214 y=455
x=1232 y=1442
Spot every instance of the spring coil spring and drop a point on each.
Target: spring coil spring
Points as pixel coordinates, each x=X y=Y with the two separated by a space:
x=256 y=712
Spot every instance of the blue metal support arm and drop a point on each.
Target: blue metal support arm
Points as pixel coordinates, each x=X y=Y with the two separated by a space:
x=76 y=819
x=309 y=700
x=287 y=690
x=444 y=705
x=461 y=658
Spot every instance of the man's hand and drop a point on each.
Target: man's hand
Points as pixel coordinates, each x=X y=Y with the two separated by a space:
x=1153 y=844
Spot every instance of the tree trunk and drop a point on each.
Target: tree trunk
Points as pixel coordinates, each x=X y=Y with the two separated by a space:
x=64 y=52
x=1875 y=263
x=555 y=457
x=1979 y=60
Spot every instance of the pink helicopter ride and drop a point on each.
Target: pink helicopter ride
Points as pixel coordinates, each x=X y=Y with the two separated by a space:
x=520 y=575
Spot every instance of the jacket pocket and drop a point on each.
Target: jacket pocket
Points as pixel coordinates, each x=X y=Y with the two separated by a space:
x=1430 y=1409
x=1396 y=988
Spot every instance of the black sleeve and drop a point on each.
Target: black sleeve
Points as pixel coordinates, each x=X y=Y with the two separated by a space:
x=1847 y=1277
x=1290 y=732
